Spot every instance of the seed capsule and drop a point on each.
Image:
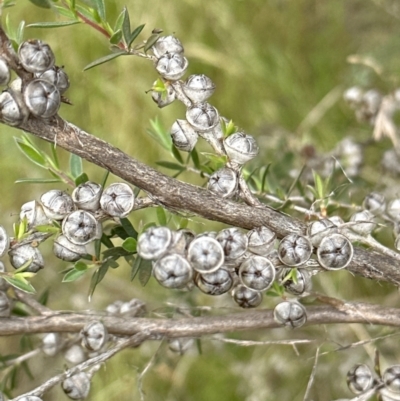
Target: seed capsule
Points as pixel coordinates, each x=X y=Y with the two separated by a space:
x=154 y=242
x=393 y=209
x=375 y=203
x=172 y=66
x=223 y=182
x=335 y=252
x=184 y=137
x=3 y=283
x=363 y=224
x=134 y=307
x=245 y=297
x=167 y=44
x=29 y=398
x=299 y=286
x=86 y=196
x=13 y=110
x=94 y=336
x=202 y=116
x=5 y=306
x=34 y=214
x=57 y=204
x=173 y=271
x=117 y=200
x=75 y=354
x=81 y=227
x=241 y=147
x=205 y=254
x=359 y=379
x=257 y=273
x=4 y=72
x=319 y=229
x=4 y=241
x=36 y=56
x=51 y=344
x=180 y=345
x=77 y=387
x=23 y=254
x=216 y=283
x=66 y=250
x=290 y=313
x=165 y=98
x=391 y=378
x=261 y=240
x=353 y=96
x=294 y=250
x=198 y=88
x=233 y=242
x=56 y=76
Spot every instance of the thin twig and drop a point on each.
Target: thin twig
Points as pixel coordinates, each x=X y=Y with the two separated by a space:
x=312 y=376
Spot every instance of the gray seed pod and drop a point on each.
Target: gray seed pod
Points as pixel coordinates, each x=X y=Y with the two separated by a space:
x=24 y=253
x=173 y=271
x=5 y=74
x=336 y=220
x=4 y=241
x=117 y=200
x=56 y=76
x=216 y=283
x=393 y=209
x=77 y=387
x=75 y=354
x=167 y=44
x=172 y=66
x=181 y=240
x=3 y=283
x=57 y=204
x=391 y=378
x=184 y=137
x=375 y=203
x=202 y=116
x=257 y=273
x=34 y=214
x=86 y=196
x=35 y=56
x=51 y=344
x=205 y=254
x=335 y=252
x=261 y=240
x=81 y=227
x=134 y=307
x=217 y=131
x=359 y=379
x=363 y=224
x=294 y=250
x=5 y=305
x=223 y=182
x=386 y=395
x=13 y=110
x=180 y=345
x=164 y=99
x=353 y=96
x=66 y=250
x=154 y=242
x=397 y=242
x=29 y=398
x=94 y=335
x=245 y=297
x=241 y=147
x=198 y=88
x=302 y=284
x=319 y=229
x=233 y=242
x=114 y=308
x=290 y=313
x=42 y=98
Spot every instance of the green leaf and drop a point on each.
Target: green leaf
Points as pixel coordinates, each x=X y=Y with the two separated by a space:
x=175 y=152
x=319 y=185
x=81 y=266
x=135 y=34
x=73 y=275
x=160 y=134
x=129 y=245
x=44 y=297
x=150 y=41
x=126 y=26
x=65 y=12
x=115 y=252
x=105 y=59
x=48 y=229
x=264 y=177
x=55 y=24
x=54 y=154
x=41 y=3
x=119 y=21
x=195 y=158
x=106 y=241
x=21 y=284
x=116 y=37
x=100 y=8
x=20 y=32
x=81 y=179
x=146 y=268
x=171 y=166
x=161 y=216
x=128 y=227
x=37 y=181
x=97 y=277
x=75 y=165
x=31 y=153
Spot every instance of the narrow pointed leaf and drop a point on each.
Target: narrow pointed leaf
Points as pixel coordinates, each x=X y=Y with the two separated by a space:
x=100 y=8
x=41 y=3
x=161 y=216
x=104 y=59
x=150 y=41
x=22 y=285
x=135 y=34
x=37 y=181
x=116 y=37
x=128 y=227
x=129 y=245
x=146 y=268
x=32 y=154
x=171 y=166
x=73 y=275
x=55 y=24
x=176 y=154
x=119 y=21
x=126 y=26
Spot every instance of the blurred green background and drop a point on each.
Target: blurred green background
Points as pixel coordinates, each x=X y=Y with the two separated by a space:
x=273 y=62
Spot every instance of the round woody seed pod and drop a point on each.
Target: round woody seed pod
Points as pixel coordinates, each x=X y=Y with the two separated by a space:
x=23 y=254
x=5 y=74
x=198 y=88
x=359 y=379
x=34 y=214
x=56 y=76
x=335 y=252
x=184 y=137
x=245 y=297
x=165 y=98
x=51 y=344
x=154 y=242
x=393 y=209
x=294 y=250
x=173 y=271
x=375 y=203
x=66 y=250
x=75 y=354
x=94 y=335
x=261 y=240
x=257 y=273
x=290 y=313
x=4 y=241
x=319 y=229
x=86 y=196
x=117 y=200
x=3 y=283
x=57 y=204
x=205 y=254
x=299 y=286
x=216 y=283
x=391 y=378
x=167 y=44
x=180 y=345
x=77 y=387
x=29 y=398
x=13 y=110
x=81 y=227
x=241 y=147
x=233 y=242
x=5 y=305
x=172 y=66
x=35 y=56
x=363 y=224
x=202 y=116
x=223 y=182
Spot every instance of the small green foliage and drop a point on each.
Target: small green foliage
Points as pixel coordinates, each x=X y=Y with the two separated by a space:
x=161 y=216
x=228 y=128
x=276 y=290
x=21 y=228
x=42 y=3
x=19 y=281
x=129 y=245
x=160 y=134
x=105 y=59
x=146 y=268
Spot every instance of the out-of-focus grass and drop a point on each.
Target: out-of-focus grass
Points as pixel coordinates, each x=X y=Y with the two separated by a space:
x=273 y=62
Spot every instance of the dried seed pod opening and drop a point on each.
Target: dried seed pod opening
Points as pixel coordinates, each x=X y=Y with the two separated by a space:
x=56 y=76
x=241 y=147
x=154 y=242
x=13 y=110
x=363 y=224
x=233 y=242
x=117 y=200
x=257 y=273
x=300 y=285
x=184 y=137
x=245 y=297
x=57 y=204
x=319 y=229
x=94 y=335
x=77 y=387
x=198 y=88
x=294 y=250
x=66 y=250
x=205 y=254
x=261 y=240
x=335 y=252
x=4 y=241
x=391 y=378
x=24 y=254
x=216 y=283
x=51 y=344
x=172 y=66
x=134 y=307
x=34 y=214
x=86 y=196
x=167 y=44
x=202 y=116
x=375 y=203
x=290 y=313
x=5 y=74
x=165 y=98
x=223 y=182
x=81 y=227
x=173 y=271
x=42 y=98
x=359 y=379
x=35 y=56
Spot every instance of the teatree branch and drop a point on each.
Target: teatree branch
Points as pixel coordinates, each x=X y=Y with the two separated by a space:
x=199 y=326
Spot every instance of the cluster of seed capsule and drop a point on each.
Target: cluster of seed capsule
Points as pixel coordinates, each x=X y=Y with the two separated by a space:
x=361 y=381
x=202 y=119
x=41 y=94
